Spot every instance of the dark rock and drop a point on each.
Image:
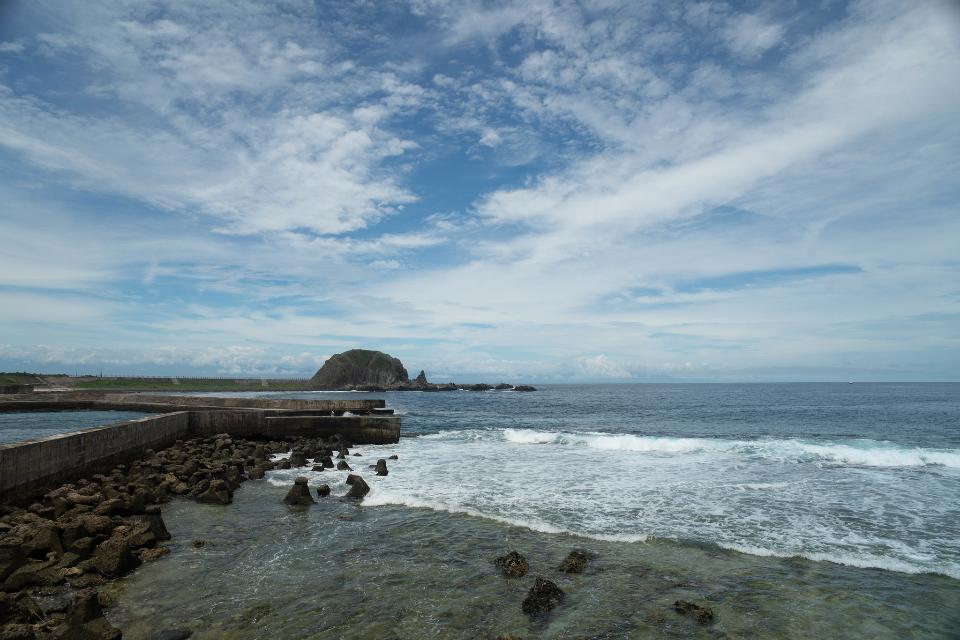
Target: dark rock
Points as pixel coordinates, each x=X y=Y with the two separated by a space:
x=351 y=478
x=256 y=473
x=298 y=459
x=317 y=467
x=284 y=464
x=358 y=367
x=170 y=634
x=543 y=596
x=575 y=562
x=703 y=615
x=358 y=488
x=299 y=493
x=393 y=457
x=343 y=466
x=327 y=462
x=114 y=557
x=382 y=467
x=524 y=387
x=513 y=565
x=356 y=455
x=323 y=490
x=198 y=543
x=478 y=387
x=503 y=386
x=218 y=493
x=85 y=620
x=421 y=379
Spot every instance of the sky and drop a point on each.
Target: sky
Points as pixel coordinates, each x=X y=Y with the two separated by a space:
x=536 y=191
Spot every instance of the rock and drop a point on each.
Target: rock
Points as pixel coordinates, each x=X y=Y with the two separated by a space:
x=381 y=467
x=148 y=555
x=256 y=473
x=218 y=493
x=393 y=457
x=503 y=386
x=356 y=455
x=575 y=562
x=343 y=466
x=323 y=490
x=170 y=634
x=703 y=615
x=513 y=565
x=478 y=387
x=197 y=544
x=284 y=464
x=114 y=557
x=85 y=620
x=351 y=478
x=358 y=488
x=327 y=462
x=421 y=379
x=317 y=467
x=543 y=596
x=299 y=493
x=298 y=459
x=358 y=367
x=524 y=387
x=18 y=608
x=39 y=537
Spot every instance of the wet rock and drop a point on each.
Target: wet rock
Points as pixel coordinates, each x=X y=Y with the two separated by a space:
x=343 y=466
x=513 y=565
x=284 y=464
x=114 y=557
x=299 y=493
x=327 y=462
x=198 y=543
x=393 y=457
x=575 y=562
x=18 y=608
x=298 y=459
x=323 y=490
x=358 y=488
x=256 y=473
x=38 y=537
x=85 y=620
x=218 y=493
x=356 y=455
x=351 y=478
x=317 y=467
x=703 y=615
x=503 y=386
x=381 y=467
x=524 y=387
x=148 y=555
x=170 y=634
x=543 y=596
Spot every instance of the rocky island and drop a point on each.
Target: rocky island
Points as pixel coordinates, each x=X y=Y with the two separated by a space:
x=367 y=370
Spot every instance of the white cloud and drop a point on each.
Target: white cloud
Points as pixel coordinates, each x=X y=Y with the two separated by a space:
x=750 y=36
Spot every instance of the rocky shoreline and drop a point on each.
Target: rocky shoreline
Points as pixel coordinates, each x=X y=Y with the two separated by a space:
x=57 y=547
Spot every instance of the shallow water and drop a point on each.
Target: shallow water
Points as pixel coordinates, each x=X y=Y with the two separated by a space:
x=15 y=427
x=844 y=498
x=270 y=571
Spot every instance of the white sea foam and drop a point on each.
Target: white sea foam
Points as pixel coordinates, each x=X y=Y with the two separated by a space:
x=847 y=502
x=862 y=452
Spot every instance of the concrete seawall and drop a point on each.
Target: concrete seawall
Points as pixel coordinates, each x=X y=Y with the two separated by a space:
x=35 y=464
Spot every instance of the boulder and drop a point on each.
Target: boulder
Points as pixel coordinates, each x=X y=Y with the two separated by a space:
x=543 y=596
x=524 y=387
x=298 y=459
x=358 y=487
x=343 y=466
x=703 y=615
x=393 y=457
x=218 y=493
x=114 y=557
x=575 y=562
x=85 y=620
x=382 y=467
x=323 y=490
x=299 y=493
x=513 y=565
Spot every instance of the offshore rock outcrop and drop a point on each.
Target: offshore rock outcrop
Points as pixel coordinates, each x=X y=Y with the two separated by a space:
x=360 y=367
x=375 y=371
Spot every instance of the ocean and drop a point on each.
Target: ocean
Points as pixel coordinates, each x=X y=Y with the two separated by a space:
x=793 y=510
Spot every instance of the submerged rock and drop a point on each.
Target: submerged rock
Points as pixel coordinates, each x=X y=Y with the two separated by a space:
x=381 y=467
x=703 y=615
x=299 y=493
x=513 y=565
x=393 y=457
x=575 y=562
x=543 y=596
x=323 y=490
x=358 y=487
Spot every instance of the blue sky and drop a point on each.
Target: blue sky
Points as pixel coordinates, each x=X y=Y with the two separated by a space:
x=536 y=191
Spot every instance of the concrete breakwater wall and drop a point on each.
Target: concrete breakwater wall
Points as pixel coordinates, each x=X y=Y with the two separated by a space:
x=34 y=463
x=38 y=463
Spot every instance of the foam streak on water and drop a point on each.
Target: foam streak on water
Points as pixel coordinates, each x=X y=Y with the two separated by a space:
x=859 y=502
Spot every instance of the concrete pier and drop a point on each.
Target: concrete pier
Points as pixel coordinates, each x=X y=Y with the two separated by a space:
x=37 y=463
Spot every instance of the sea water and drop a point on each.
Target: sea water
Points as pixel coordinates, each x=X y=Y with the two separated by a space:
x=30 y=425
x=795 y=511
